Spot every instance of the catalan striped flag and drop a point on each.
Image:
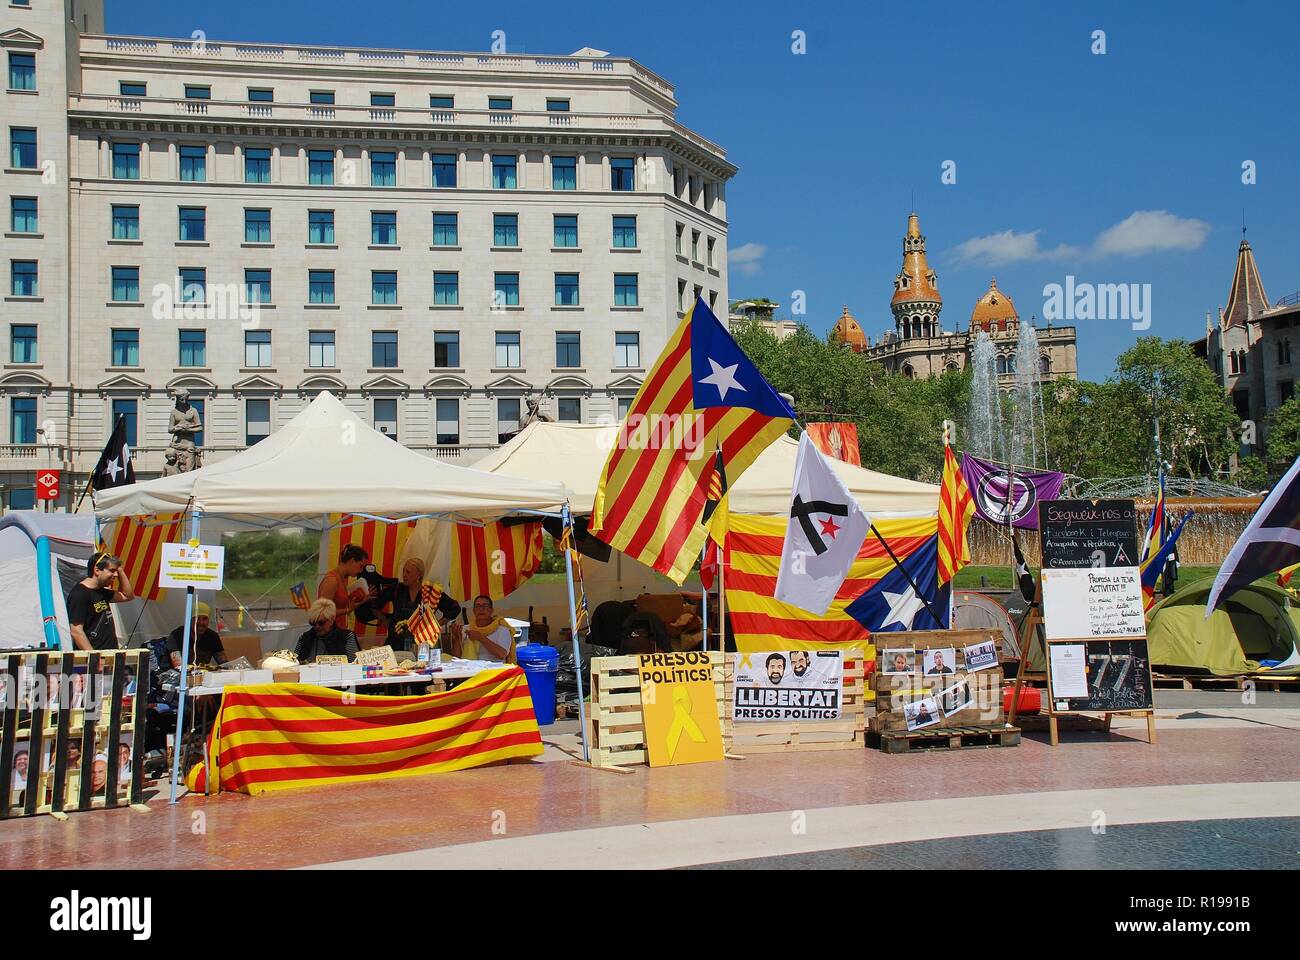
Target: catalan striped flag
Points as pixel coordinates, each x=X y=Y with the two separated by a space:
x=495 y=559
x=703 y=395
x=1153 y=566
x=1155 y=525
x=298 y=594
x=956 y=507
x=423 y=622
x=383 y=543
x=275 y=737
x=753 y=556
x=138 y=541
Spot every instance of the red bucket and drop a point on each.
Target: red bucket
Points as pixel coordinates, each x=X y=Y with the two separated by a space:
x=1031 y=700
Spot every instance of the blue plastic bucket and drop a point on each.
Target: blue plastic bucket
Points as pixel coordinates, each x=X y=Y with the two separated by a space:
x=540 y=663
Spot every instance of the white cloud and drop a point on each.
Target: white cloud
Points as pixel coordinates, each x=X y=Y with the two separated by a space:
x=1147 y=231
x=997 y=249
x=747 y=258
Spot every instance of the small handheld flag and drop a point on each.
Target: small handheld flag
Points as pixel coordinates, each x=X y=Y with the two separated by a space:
x=298 y=593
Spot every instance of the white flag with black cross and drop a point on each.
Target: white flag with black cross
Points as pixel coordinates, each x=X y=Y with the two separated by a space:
x=823 y=535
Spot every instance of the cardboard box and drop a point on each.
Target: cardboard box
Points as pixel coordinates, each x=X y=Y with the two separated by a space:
x=285 y=676
x=251 y=677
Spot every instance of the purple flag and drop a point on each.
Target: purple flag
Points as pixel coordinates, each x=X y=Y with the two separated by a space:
x=999 y=491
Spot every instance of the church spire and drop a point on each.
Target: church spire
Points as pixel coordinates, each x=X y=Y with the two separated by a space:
x=1246 y=299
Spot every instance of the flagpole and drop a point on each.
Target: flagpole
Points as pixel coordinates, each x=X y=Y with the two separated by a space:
x=567 y=519
x=186 y=637
x=910 y=582
x=704 y=598
x=722 y=595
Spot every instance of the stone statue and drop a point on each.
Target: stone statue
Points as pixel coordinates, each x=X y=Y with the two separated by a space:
x=534 y=414
x=183 y=426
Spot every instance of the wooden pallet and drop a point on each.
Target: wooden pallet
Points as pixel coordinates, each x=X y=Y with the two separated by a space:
x=1164 y=681
x=946 y=738
x=847 y=733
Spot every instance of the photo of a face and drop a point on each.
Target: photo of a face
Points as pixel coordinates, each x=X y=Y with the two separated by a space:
x=799 y=662
x=898 y=661
x=939 y=662
x=922 y=713
x=775 y=668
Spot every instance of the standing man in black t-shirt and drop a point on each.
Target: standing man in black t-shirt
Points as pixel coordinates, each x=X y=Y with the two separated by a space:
x=89 y=616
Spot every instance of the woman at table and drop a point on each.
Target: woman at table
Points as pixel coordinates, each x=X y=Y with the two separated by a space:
x=487 y=636
x=324 y=637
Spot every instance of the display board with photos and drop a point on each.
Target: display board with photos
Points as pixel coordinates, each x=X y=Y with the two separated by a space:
x=935 y=678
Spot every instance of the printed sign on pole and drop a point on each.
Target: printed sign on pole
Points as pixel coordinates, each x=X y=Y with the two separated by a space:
x=200 y=567
x=47 y=485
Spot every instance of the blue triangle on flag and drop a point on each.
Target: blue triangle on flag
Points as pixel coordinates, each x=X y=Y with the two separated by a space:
x=892 y=605
x=721 y=374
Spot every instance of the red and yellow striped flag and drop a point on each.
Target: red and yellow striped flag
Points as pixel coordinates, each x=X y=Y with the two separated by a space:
x=956 y=506
x=383 y=543
x=138 y=541
x=703 y=396
x=753 y=557
x=423 y=622
x=496 y=558
x=280 y=736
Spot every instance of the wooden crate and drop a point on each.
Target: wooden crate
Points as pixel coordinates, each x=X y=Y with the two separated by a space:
x=760 y=737
x=947 y=738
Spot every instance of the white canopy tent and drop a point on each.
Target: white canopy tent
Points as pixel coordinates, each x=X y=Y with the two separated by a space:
x=38 y=552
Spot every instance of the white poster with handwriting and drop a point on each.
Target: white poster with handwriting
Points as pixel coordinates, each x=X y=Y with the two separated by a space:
x=1090 y=602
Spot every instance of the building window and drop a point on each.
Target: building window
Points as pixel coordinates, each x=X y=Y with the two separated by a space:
x=23 y=279
x=22 y=215
x=22 y=343
x=383 y=348
x=508 y=350
x=1233 y=368
x=557 y=105
x=438 y=101
x=506 y=290
x=624 y=232
x=569 y=410
x=501 y=103
x=194 y=285
x=564 y=173
x=508 y=416
x=1044 y=364
x=1285 y=388
x=257 y=420
x=193 y=224
x=132 y=88
x=126 y=161
x=383 y=228
x=566 y=289
x=383 y=168
x=257 y=225
x=624 y=407
x=695 y=245
x=565 y=229
x=257 y=165
x=196 y=92
x=126 y=285
x=320 y=349
x=681 y=228
x=446 y=231
x=126 y=410
x=320 y=226
x=446 y=429
x=320 y=286
x=257 y=348
x=622 y=172
x=260 y=95
x=194 y=348
x=681 y=296
x=505 y=230
x=257 y=286
x=320 y=167
x=625 y=290
x=383 y=286
x=503 y=171
x=444 y=169
x=568 y=349
x=322 y=98
x=627 y=349
x=446 y=289
x=194 y=164
x=22 y=148
x=385 y=414
x=126 y=348
x=711 y=242
x=446 y=349
x=22 y=71
x=383 y=99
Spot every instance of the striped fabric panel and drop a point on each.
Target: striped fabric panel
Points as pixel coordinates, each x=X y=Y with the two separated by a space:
x=495 y=559
x=384 y=542
x=956 y=507
x=138 y=541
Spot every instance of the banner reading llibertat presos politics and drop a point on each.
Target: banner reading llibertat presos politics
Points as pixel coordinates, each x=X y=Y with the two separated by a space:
x=1001 y=491
x=788 y=685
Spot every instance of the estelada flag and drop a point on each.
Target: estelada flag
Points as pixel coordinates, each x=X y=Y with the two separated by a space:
x=495 y=559
x=138 y=541
x=838 y=440
x=703 y=395
x=298 y=594
x=956 y=507
x=1270 y=542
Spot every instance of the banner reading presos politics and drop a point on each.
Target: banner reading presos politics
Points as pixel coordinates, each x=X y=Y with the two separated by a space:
x=1003 y=493
x=788 y=685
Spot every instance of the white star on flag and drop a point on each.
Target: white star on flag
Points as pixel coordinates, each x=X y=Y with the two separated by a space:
x=112 y=469
x=903 y=608
x=724 y=378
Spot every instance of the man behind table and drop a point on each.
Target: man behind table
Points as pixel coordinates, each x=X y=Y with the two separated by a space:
x=488 y=637
x=90 y=620
x=205 y=644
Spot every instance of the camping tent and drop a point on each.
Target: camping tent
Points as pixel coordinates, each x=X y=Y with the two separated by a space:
x=35 y=549
x=977 y=611
x=575 y=455
x=1254 y=625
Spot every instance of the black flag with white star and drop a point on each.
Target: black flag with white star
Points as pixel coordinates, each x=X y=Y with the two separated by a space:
x=1270 y=542
x=1024 y=579
x=114 y=468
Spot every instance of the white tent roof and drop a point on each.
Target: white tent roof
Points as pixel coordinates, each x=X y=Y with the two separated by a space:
x=328 y=460
x=575 y=455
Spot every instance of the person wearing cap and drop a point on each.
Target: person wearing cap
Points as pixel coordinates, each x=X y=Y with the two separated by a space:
x=205 y=644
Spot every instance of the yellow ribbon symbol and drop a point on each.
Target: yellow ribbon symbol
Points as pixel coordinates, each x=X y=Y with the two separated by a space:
x=745 y=662
x=682 y=722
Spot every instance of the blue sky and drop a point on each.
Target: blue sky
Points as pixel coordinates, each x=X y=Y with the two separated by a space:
x=1124 y=167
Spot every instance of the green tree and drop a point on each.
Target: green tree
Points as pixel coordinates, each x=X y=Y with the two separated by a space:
x=1283 y=437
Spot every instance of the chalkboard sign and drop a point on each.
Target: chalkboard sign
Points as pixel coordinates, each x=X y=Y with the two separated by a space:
x=1117 y=674
x=1088 y=533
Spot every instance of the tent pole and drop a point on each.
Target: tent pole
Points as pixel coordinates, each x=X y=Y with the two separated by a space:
x=704 y=596
x=573 y=629
x=195 y=520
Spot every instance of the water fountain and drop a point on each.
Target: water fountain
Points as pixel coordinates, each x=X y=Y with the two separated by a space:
x=1028 y=436
x=984 y=429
